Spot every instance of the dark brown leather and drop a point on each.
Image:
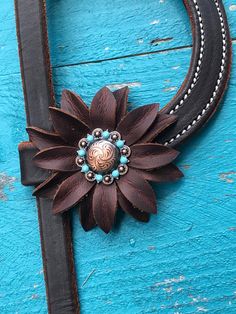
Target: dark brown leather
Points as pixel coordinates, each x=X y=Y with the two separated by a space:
x=38 y=91
x=30 y=173
x=194 y=104
x=210 y=66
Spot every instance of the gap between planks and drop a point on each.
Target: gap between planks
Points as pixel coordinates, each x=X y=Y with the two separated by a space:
x=128 y=56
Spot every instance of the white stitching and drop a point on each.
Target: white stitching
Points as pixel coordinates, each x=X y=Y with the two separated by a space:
x=199 y=62
x=224 y=49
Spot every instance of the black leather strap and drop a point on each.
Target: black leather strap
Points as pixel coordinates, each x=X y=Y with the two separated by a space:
x=38 y=91
x=195 y=102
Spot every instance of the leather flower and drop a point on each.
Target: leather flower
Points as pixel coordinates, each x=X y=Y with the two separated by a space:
x=103 y=157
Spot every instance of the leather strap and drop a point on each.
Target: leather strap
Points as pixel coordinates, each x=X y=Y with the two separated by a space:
x=204 y=86
x=195 y=103
x=38 y=92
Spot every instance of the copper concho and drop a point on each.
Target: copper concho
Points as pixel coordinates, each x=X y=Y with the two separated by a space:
x=102 y=156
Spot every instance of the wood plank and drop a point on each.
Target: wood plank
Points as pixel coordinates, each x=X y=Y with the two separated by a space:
x=167 y=71
x=183 y=261
x=111 y=29
x=183 y=255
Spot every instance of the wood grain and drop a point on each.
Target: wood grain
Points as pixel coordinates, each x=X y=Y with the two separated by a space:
x=183 y=260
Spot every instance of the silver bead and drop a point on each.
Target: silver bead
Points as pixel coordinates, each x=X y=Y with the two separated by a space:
x=125 y=151
x=83 y=143
x=108 y=179
x=115 y=136
x=90 y=176
x=97 y=133
x=123 y=169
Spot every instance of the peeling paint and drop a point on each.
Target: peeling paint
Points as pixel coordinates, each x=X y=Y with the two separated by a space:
x=169 y=281
x=132 y=242
x=118 y=86
x=155 y=22
x=158 y=41
x=168 y=290
x=35 y=296
x=232 y=7
x=227 y=176
x=151 y=248
x=180 y=289
x=5 y=181
x=201 y=309
x=198 y=299
x=170 y=89
x=140 y=40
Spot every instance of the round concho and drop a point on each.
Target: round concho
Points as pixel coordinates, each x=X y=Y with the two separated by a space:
x=102 y=156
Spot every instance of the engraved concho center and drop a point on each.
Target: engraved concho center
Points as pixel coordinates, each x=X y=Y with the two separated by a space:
x=102 y=156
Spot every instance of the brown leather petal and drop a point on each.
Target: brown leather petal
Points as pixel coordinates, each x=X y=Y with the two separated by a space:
x=60 y=158
x=86 y=213
x=151 y=155
x=162 y=122
x=70 y=192
x=105 y=205
x=73 y=104
x=121 y=96
x=136 y=123
x=68 y=126
x=129 y=209
x=103 y=110
x=138 y=191
x=164 y=174
x=49 y=187
x=43 y=139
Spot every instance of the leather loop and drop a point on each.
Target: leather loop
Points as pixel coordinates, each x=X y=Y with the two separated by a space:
x=30 y=174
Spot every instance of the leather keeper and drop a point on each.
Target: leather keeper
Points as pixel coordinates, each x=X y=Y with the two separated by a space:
x=30 y=174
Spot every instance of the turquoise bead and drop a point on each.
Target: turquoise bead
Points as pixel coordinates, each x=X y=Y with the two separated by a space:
x=98 y=178
x=85 y=168
x=123 y=160
x=90 y=138
x=105 y=134
x=81 y=152
x=120 y=143
x=115 y=173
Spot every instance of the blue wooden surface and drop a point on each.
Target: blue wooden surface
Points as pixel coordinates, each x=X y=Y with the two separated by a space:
x=184 y=260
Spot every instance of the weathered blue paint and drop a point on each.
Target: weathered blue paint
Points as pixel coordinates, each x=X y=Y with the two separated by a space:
x=184 y=260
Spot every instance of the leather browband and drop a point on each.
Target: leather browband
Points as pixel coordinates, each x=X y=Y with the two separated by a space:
x=195 y=103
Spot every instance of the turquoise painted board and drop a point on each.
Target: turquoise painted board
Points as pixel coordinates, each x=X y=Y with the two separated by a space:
x=183 y=260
